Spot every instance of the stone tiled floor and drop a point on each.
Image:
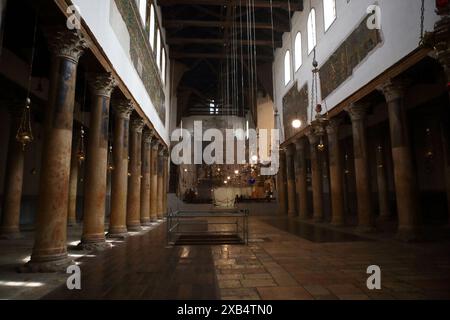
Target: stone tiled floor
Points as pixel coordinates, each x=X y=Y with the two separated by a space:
x=275 y=265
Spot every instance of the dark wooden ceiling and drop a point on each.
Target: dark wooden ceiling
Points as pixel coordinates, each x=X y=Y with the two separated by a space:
x=202 y=35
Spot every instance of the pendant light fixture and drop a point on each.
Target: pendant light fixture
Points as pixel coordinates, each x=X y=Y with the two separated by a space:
x=24 y=133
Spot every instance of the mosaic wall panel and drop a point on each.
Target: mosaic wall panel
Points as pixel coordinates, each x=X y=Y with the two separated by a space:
x=295 y=106
x=142 y=59
x=339 y=67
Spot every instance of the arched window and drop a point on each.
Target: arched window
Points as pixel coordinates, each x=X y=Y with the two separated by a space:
x=163 y=65
x=298 y=51
x=158 y=49
x=142 y=5
x=287 y=67
x=312 y=41
x=329 y=13
x=152 y=27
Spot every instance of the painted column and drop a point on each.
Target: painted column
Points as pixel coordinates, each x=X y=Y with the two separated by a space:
x=301 y=176
x=73 y=182
x=154 y=181
x=366 y=221
x=145 y=181
x=282 y=184
x=10 y=227
x=316 y=179
x=336 y=171
x=134 y=181
x=159 y=208
x=290 y=175
x=119 y=180
x=50 y=248
x=405 y=178
x=383 y=192
x=93 y=237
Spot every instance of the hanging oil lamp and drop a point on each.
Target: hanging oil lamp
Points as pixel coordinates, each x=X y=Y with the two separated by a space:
x=110 y=159
x=81 y=156
x=429 y=154
x=24 y=134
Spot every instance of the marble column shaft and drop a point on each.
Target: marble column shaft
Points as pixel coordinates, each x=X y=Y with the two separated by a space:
x=406 y=188
x=336 y=173
x=290 y=175
x=73 y=182
x=316 y=178
x=357 y=114
x=282 y=184
x=10 y=227
x=383 y=192
x=50 y=248
x=301 y=177
x=154 y=181
x=134 y=181
x=160 y=204
x=96 y=166
x=119 y=180
x=145 y=181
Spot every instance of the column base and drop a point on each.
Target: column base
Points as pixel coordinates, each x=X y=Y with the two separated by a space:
x=409 y=234
x=146 y=223
x=365 y=229
x=10 y=234
x=94 y=245
x=46 y=266
x=134 y=228
x=72 y=223
x=153 y=219
x=120 y=235
x=337 y=223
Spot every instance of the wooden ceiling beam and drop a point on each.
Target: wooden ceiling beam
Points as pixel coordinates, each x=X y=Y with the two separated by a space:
x=206 y=55
x=221 y=42
x=171 y=24
x=293 y=5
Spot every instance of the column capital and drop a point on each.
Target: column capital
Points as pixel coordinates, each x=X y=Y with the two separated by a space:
x=358 y=110
x=166 y=153
x=333 y=126
x=147 y=135
x=123 y=108
x=155 y=144
x=137 y=124
x=66 y=43
x=101 y=84
x=394 y=89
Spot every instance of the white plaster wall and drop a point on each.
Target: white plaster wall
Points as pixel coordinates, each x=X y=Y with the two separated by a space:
x=97 y=15
x=400 y=29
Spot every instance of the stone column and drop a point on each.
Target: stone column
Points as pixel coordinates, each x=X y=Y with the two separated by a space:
x=317 y=182
x=10 y=227
x=301 y=175
x=119 y=180
x=445 y=128
x=93 y=237
x=154 y=181
x=290 y=175
x=336 y=171
x=159 y=208
x=134 y=181
x=166 y=181
x=357 y=112
x=405 y=179
x=145 y=181
x=282 y=184
x=50 y=248
x=73 y=182
x=383 y=192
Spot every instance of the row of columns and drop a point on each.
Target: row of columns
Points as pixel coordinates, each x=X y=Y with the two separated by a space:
x=404 y=174
x=138 y=194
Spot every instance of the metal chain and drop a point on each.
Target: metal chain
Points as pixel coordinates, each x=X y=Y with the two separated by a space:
x=422 y=22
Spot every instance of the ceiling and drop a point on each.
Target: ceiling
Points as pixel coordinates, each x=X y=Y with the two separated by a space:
x=210 y=37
